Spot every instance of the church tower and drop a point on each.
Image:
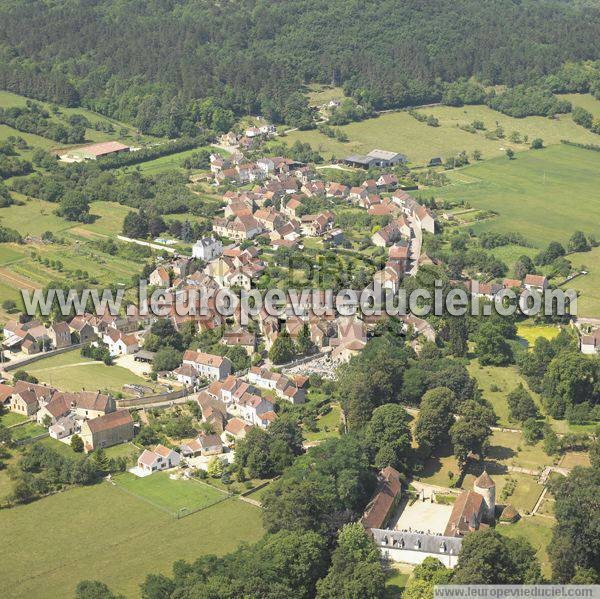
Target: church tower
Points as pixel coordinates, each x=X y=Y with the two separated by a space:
x=486 y=487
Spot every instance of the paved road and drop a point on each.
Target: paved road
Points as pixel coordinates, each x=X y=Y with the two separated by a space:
x=154 y=246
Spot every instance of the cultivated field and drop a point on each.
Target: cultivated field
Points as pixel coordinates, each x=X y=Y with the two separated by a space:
x=544 y=194
x=103 y=533
x=400 y=132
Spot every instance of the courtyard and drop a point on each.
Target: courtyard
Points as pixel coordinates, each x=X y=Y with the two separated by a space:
x=422 y=516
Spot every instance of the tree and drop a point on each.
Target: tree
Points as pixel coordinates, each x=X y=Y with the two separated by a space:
x=215 y=467
x=157 y=586
x=425 y=577
x=22 y=375
x=470 y=433
x=167 y=359
x=458 y=336
x=355 y=570
x=9 y=306
x=304 y=342
x=283 y=349
x=74 y=207
x=523 y=266
x=533 y=430
x=94 y=589
x=487 y=557
x=101 y=461
x=491 y=346
x=521 y=405
x=537 y=143
x=389 y=436
x=77 y=443
x=435 y=419
x=510 y=153
x=578 y=242
x=575 y=542
x=163 y=334
x=135 y=225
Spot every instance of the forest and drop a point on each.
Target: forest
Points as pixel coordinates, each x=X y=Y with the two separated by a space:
x=171 y=65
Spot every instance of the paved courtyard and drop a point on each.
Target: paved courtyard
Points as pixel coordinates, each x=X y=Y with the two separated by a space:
x=423 y=516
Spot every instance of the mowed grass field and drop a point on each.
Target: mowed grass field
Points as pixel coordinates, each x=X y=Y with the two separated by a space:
x=588 y=286
x=543 y=194
x=72 y=372
x=170 y=495
x=102 y=533
x=400 y=132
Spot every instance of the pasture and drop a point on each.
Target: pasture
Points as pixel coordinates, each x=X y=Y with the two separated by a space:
x=543 y=194
x=72 y=372
x=588 y=286
x=400 y=132
x=173 y=496
x=103 y=533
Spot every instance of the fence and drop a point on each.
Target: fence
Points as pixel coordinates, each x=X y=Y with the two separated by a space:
x=142 y=401
x=31 y=439
x=37 y=357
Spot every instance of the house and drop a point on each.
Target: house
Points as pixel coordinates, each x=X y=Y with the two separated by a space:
x=241 y=337
x=207 y=248
x=84 y=404
x=64 y=427
x=240 y=228
x=235 y=429
x=391 y=233
x=313 y=189
x=60 y=334
x=82 y=328
x=424 y=219
x=191 y=448
x=210 y=444
x=27 y=397
x=473 y=508
x=160 y=458
x=269 y=219
x=384 y=501
x=535 y=283
x=336 y=190
x=108 y=430
x=387 y=182
x=313 y=225
x=186 y=374
x=208 y=366
x=159 y=277
x=590 y=344
x=253 y=407
x=120 y=343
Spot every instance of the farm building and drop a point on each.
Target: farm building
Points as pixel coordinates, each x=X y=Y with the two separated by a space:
x=95 y=151
x=375 y=158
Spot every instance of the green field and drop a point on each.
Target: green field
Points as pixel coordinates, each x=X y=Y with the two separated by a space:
x=538 y=531
x=10 y=418
x=33 y=218
x=72 y=372
x=529 y=332
x=544 y=194
x=27 y=431
x=103 y=533
x=588 y=302
x=170 y=495
x=586 y=101
x=400 y=132
x=327 y=425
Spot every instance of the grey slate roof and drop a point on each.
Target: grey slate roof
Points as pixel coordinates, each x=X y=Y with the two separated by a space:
x=415 y=541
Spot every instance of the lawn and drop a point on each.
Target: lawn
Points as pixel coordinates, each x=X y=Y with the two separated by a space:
x=529 y=332
x=538 y=531
x=496 y=383
x=545 y=194
x=509 y=449
x=327 y=425
x=400 y=132
x=165 y=163
x=169 y=495
x=319 y=94
x=26 y=431
x=110 y=218
x=588 y=286
x=396 y=581
x=10 y=418
x=72 y=372
x=102 y=533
